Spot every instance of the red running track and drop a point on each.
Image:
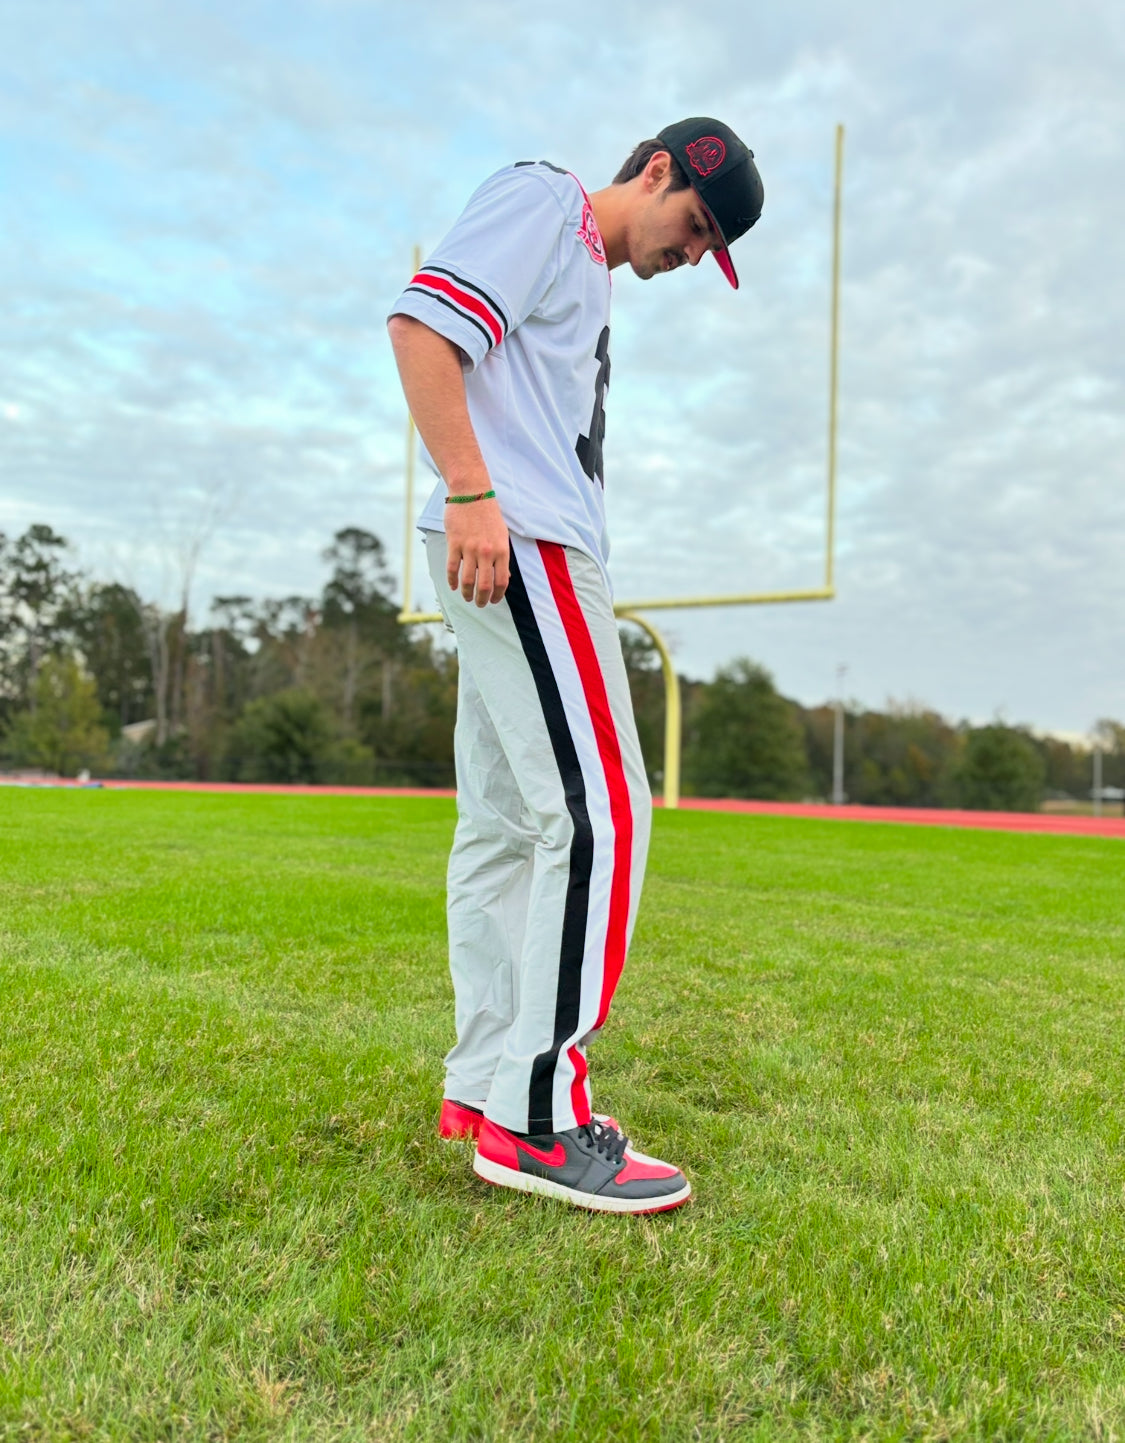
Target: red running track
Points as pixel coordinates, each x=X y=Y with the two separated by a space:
x=924 y=817
x=915 y=816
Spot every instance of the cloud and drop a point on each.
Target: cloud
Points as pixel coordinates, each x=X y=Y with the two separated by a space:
x=214 y=208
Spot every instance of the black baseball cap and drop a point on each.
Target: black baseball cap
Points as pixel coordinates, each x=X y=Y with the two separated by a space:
x=723 y=175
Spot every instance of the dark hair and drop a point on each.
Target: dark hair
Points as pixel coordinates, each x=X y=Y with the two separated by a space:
x=641 y=156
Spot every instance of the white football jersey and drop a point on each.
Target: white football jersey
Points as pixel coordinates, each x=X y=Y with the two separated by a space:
x=521 y=285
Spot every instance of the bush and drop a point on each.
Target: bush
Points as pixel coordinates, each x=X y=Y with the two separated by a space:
x=61 y=731
x=744 y=740
x=348 y=764
x=282 y=738
x=1001 y=771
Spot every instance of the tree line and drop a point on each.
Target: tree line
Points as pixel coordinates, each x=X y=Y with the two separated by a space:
x=331 y=689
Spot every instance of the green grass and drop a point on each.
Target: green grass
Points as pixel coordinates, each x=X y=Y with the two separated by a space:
x=890 y=1058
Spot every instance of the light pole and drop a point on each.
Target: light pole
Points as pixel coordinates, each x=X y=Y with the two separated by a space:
x=838 y=741
x=1097 y=776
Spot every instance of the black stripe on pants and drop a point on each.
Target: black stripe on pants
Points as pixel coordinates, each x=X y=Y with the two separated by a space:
x=569 y=994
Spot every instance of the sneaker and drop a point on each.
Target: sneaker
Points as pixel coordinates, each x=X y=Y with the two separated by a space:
x=592 y=1167
x=459 y=1119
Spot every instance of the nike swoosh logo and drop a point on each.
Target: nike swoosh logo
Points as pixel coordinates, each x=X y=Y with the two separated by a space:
x=555 y=1158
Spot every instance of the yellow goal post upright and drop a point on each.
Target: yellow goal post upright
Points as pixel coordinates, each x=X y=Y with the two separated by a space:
x=630 y=610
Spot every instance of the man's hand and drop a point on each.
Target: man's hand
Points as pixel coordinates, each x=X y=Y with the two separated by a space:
x=477 y=559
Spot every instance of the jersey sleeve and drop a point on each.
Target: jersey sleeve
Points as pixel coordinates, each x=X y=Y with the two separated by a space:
x=494 y=267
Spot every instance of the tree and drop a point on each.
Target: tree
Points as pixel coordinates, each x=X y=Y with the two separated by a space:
x=1001 y=771
x=646 y=687
x=743 y=739
x=184 y=524
x=1111 y=738
x=286 y=633
x=110 y=632
x=282 y=738
x=360 y=582
x=37 y=602
x=356 y=604
x=231 y=645
x=905 y=756
x=1066 y=767
x=62 y=730
x=413 y=743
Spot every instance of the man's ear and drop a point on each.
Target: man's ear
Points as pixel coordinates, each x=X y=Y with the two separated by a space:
x=655 y=173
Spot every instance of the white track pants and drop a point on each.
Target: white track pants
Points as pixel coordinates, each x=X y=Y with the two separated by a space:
x=553 y=822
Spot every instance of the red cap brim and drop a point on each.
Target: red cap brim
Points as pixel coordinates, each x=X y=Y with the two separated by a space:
x=726 y=265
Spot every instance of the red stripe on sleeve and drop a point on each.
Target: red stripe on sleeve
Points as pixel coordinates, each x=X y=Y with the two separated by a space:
x=464 y=299
x=609 y=752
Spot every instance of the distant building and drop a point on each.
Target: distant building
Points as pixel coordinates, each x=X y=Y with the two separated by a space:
x=138 y=732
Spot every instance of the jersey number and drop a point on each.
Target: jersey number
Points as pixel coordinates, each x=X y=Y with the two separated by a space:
x=589 y=448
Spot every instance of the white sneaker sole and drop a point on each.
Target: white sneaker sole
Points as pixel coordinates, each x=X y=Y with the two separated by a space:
x=501 y=1176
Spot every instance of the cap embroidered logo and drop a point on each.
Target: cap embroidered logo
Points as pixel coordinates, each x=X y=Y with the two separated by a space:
x=590 y=236
x=706 y=154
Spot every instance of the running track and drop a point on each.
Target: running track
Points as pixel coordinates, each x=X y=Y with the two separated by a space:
x=916 y=816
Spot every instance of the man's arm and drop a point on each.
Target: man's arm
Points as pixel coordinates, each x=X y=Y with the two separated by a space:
x=430 y=368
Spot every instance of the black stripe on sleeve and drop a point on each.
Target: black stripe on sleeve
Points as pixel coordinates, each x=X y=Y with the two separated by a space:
x=556 y=168
x=457 y=311
x=568 y=995
x=476 y=290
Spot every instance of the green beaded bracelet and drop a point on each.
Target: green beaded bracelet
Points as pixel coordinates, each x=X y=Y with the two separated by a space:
x=463 y=500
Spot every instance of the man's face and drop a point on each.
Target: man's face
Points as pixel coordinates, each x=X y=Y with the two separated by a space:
x=670 y=229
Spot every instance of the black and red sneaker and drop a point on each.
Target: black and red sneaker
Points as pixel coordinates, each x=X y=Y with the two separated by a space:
x=459 y=1119
x=592 y=1167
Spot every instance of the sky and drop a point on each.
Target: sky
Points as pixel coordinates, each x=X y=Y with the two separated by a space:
x=206 y=211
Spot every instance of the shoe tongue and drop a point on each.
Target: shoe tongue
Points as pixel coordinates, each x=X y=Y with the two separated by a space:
x=607 y=1131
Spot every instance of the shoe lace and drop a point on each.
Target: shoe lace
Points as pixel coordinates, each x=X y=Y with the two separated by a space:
x=605 y=1140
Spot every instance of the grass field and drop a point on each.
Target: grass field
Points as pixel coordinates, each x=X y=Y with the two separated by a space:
x=890 y=1059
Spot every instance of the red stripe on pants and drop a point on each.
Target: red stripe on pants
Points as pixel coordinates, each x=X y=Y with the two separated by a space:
x=609 y=752
x=579 y=1098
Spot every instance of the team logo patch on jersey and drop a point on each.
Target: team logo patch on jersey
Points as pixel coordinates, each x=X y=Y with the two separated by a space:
x=707 y=153
x=590 y=236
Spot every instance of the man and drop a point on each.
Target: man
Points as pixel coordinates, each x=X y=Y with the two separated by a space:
x=502 y=343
